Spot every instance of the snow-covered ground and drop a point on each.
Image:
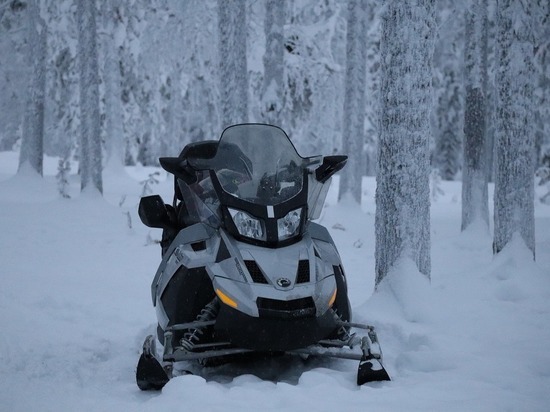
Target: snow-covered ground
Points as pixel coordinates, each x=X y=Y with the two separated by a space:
x=75 y=306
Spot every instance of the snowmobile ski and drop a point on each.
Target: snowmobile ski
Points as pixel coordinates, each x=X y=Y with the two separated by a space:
x=371 y=370
x=150 y=375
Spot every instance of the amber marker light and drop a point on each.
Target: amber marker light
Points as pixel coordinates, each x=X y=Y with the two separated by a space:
x=226 y=299
x=332 y=298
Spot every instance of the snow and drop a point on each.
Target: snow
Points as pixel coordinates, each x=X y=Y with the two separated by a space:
x=75 y=307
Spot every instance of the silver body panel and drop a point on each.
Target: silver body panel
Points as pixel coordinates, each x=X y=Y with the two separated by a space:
x=232 y=276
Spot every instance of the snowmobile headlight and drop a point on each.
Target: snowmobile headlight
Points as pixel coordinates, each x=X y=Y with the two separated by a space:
x=247 y=225
x=289 y=225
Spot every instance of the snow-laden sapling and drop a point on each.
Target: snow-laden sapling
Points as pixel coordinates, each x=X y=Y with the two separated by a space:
x=543 y=179
x=147 y=184
x=62 y=176
x=435 y=180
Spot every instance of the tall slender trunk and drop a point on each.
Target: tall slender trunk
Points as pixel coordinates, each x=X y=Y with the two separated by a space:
x=32 y=144
x=475 y=203
x=514 y=180
x=402 y=220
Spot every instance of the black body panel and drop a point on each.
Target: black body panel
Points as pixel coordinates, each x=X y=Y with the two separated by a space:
x=186 y=294
x=272 y=334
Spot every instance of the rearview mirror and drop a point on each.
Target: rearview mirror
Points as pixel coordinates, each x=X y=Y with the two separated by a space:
x=330 y=165
x=153 y=213
x=179 y=168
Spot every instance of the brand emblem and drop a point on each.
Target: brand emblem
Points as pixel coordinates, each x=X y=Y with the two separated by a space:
x=284 y=282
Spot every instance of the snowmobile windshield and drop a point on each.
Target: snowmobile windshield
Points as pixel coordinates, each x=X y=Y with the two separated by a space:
x=258 y=163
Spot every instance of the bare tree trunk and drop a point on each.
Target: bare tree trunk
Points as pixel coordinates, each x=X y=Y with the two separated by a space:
x=402 y=221
x=90 y=143
x=233 y=68
x=272 y=93
x=354 y=101
x=514 y=178
x=32 y=144
x=114 y=130
x=475 y=204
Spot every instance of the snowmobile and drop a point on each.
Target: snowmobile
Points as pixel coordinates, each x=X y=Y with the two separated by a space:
x=244 y=268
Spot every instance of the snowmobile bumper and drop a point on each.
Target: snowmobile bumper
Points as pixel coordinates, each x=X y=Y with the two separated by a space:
x=273 y=332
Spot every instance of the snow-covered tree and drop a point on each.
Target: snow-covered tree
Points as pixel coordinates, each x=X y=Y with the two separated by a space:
x=199 y=81
x=32 y=143
x=233 y=72
x=402 y=221
x=313 y=77
x=475 y=204
x=114 y=133
x=542 y=89
x=133 y=14
x=14 y=71
x=90 y=127
x=448 y=114
x=62 y=93
x=448 y=144
x=160 y=87
x=372 y=45
x=353 y=136
x=514 y=179
x=272 y=92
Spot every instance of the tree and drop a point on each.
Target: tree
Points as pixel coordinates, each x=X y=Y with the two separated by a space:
x=353 y=135
x=541 y=15
x=200 y=64
x=402 y=221
x=14 y=71
x=448 y=116
x=32 y=144
x=313 y=76
x=475 y=204
x=233 y=69
x=448 y=145
x=115 y=144
x=514 y=180
x=62 y=95
x=272 y=93
x=90 y=127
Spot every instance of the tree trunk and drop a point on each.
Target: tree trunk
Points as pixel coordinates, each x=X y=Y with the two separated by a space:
x=354 y=101
x=32 y=144
x=514 y=180
x=272 y=93
x=90 y=139
x=233 y=68
x=475 y=204
x=402 y=221
x=114 y=130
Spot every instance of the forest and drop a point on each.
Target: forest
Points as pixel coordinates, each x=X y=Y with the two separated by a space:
x=407 y=87
x=158 y=74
